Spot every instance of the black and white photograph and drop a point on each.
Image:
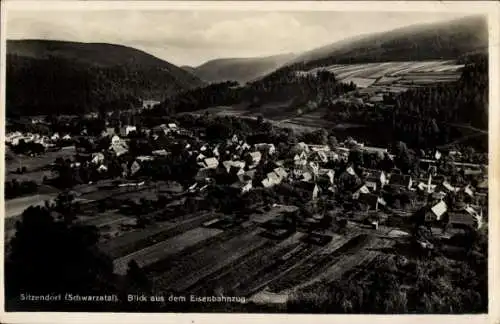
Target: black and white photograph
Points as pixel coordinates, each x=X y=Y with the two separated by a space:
x=219 y=159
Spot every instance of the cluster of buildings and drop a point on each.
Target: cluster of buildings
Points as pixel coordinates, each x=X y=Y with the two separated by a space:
x=310 y=169
x=15 y=138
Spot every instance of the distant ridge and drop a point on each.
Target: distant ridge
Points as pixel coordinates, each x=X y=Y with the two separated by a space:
x=448 y=40
x=239 y=69
x=50 y=76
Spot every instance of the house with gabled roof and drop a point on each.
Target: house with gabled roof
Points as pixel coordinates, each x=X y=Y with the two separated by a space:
x=256 y=157
x=361 y=190
x=371 y=201
x=482 y=187
x=161 y=152
x=247 y=175
x=233 y=164
x=215 y=150
x=115 y=139
x=118 y=148
x=300 y=159
x=343 y=153
x=436 y=212
x=209 y=163
x=319 y=156
x=350 y=170
x=306 y=176
x=281 y=172
x=318 y=148
x=97 y=158
x=446 y=187
x=301 y=147
x=377 y=150
x=126 y=130
x=468 y=217
x=327 y=174
x=205 y=175
x=468 y=191
x=332 y=155
x=428 y=188
x=313 y=167
x=135 y=167
x=242 y=186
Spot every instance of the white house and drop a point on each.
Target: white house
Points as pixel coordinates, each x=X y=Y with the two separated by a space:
x=102 y=168
x=269 y=148
x=97 y=158
x=118 y=149
x=256 y=156
x=161 y=152
x=362 y=190
x=126 y=130
x=209 y=163
x=437 y=211
x=115 y=139
x=134 y=168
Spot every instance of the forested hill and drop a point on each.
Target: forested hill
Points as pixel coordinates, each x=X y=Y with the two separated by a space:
x=56 y=77
x=447 y=40
x=239 y=69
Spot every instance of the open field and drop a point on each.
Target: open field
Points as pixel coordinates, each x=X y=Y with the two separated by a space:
x=368 y=73
x=36 y=162
x=15 y=207
x=36 y=176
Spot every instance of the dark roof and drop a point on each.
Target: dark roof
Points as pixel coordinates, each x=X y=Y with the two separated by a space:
x=461 y=218
x=399 y=179
x=369 y=199
x=309 y=186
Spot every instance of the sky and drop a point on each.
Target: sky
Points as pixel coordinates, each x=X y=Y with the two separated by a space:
x=194 y=37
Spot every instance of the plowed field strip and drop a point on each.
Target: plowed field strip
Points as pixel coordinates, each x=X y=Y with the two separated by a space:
x=136 y=240
x=319 y=264
x=187 y=267
x=234 y=273
x=156 y=252
x=274 y=270
x=354 y=258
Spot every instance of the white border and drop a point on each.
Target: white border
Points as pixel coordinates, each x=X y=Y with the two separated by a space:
x=491 y=9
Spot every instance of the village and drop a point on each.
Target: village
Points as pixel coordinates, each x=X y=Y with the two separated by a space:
x=169 y=199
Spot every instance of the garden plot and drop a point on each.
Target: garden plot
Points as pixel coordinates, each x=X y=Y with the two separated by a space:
x=273 y=213
x=318 y=264
x=280 y=266
x=245 y=269
x=353 y=258
x=141 y=238
x=104 y=219
x=154 y=253
x=189 y=269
